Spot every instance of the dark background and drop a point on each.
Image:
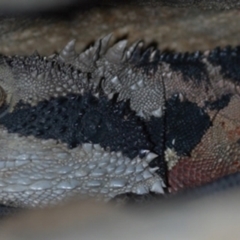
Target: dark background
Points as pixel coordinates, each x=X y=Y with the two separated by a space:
x=178 y=25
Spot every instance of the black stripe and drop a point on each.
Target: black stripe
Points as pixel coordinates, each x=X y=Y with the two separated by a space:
x=186 y=125
x=77 y=119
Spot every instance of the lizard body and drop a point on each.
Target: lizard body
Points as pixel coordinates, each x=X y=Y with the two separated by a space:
x=115 y=120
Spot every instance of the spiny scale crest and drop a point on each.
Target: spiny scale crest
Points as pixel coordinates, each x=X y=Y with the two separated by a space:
x=113 y=70
x=42 y=172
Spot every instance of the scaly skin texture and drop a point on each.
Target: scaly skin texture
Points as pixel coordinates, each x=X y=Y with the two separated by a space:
x=185 y=105
x=42 y=172
x=201 y=79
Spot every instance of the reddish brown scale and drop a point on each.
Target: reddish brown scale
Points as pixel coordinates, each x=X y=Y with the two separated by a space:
x=188 y=173
x=217 y=155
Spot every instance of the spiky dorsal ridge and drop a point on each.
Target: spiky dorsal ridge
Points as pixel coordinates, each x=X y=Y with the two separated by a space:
x=133 y=73
x=116 y=69
x=34 y=78
x=136 y=73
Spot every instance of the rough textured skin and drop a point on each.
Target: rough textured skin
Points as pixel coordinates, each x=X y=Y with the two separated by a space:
x=210 y=80
x=41 y=172
x=189 y=103
x=178 y=29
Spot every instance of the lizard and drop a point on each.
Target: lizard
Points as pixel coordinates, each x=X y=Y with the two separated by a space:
x=115 y=120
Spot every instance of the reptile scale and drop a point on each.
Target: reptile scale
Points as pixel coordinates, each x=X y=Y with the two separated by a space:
x=116 y=120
